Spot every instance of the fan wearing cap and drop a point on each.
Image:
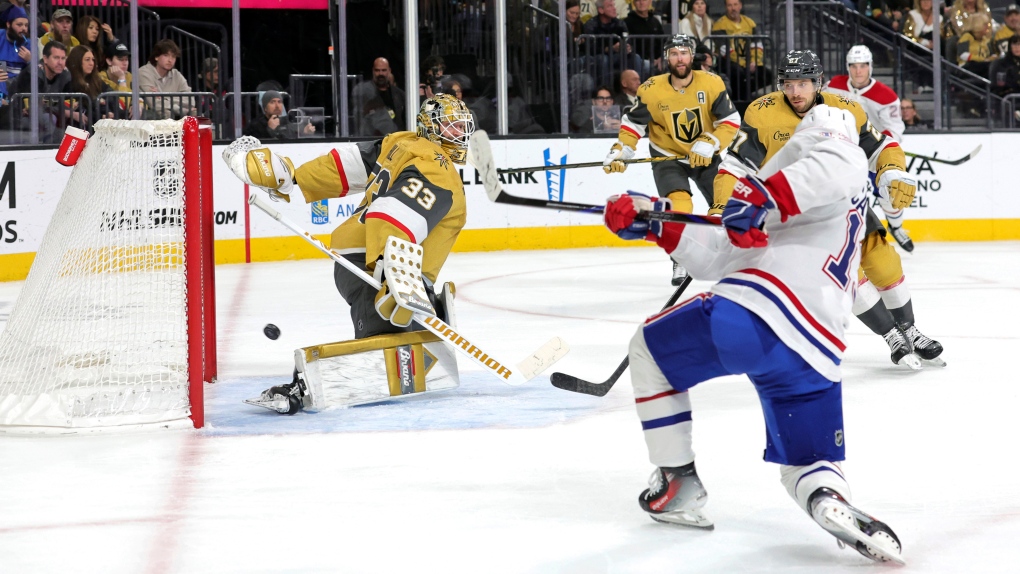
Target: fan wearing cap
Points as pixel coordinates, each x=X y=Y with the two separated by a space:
x=117 y=77
x=1009 y=30
x=60 y=30
x=272 y=123
x=14 y=51
x=1005 y=72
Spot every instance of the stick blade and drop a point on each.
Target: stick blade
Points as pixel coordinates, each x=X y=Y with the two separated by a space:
x=480 y=156
x=546 y=355
x=576 y=385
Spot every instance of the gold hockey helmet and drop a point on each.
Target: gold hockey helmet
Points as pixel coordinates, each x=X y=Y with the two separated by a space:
x=447 y=121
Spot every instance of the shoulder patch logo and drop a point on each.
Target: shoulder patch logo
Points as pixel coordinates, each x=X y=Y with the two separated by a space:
x=443 y=162
x=649 y=82
x=765 y=102
x=847 y=101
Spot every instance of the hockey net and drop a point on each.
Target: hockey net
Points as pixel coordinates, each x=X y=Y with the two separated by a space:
x=114 y=326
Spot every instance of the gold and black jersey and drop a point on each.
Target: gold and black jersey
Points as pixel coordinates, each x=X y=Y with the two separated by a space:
x=414 y=192
x=769 y=122
x=674 y=119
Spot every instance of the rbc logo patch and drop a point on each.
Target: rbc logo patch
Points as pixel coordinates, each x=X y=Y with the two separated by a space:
x=320 y=212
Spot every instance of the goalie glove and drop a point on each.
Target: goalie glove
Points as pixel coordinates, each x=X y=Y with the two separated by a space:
x=703 y=151
x=897 y=187
x=402 y=293
x=745 y=213
x=257 y=165
x=621 y=213
x=614 y=159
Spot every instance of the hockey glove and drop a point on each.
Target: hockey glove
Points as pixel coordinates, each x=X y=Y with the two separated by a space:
x=745 y=213
x=621 y=218
x=614 y=159
x=897 y=187
x=387 y=307
x=257 y=165
x=703 y=151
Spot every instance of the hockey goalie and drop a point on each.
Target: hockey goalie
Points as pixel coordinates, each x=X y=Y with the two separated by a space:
x=401 y=234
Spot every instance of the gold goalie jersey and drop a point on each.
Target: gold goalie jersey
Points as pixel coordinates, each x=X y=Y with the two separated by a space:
x=414 y=192
x=674 y=119
x=769 y=122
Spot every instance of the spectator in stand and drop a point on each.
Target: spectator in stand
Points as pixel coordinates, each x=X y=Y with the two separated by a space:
x=642 y=21
x=160 y=76
x=1005 y=72
x=629 y=83
x=912 y=121
x=14 y=50
x=210 y=83
x=976 y=46
x=81 y=63
x=53 y=79
x=608 y=24
x=963 y=10
x=378 y=103
x=118 y=79
x=918 y=25
x=273 y=123
x=585 y=116
x=6 y=5
x=1010 y=29
x=704 y=60
x=697 y=23
x=745 y=67
x=433 y=71
x=91 y=32
x=60 y=30
x=574 y=18
x=888 y=13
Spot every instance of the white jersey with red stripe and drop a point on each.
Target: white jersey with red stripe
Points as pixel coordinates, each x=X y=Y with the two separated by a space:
x=879 y=101
x=802 y=284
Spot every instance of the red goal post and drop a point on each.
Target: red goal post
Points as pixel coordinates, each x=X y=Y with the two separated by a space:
x=115 y=327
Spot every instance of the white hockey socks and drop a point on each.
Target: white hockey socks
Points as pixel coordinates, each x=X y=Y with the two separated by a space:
x=665 y=413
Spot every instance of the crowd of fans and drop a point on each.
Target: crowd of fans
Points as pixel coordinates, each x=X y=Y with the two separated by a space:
x=614 y=45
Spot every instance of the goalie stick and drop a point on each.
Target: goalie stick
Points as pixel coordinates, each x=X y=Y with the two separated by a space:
x=576 y=385
x=511 y=170
x=524 y=371
x=963 y=159
x=480 y=156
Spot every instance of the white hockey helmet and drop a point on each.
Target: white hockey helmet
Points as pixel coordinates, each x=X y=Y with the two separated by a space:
x=832 y=122
x=858 y=55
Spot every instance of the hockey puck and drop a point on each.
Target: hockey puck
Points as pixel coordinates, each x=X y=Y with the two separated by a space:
x=271 y=331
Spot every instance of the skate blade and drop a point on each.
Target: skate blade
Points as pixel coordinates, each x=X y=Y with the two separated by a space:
x=280 y=406
x=911 y=362
x=880 y=545
x=936 y=362
x=688 y=518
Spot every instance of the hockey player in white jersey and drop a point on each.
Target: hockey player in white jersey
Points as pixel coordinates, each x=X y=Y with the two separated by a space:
x=883 y=108
x=786 y=268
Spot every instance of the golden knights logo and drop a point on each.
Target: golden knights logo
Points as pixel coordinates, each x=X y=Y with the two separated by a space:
x=765 y=102
x=687 y=125
x=441 y=159
x=649 y=82
x=846 y=101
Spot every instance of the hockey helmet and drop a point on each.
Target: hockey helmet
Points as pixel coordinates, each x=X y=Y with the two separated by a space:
x=830 y=122
x=800 y=65
x=680 y=41
x=858 y=55
x=447 y=122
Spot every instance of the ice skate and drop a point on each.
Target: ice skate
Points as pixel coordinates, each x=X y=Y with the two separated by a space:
x=928 y=350
x=679 y=274
x=900 y=349
x=850 y=526
x=285 y=399
x=901 y=237
x=676 y=496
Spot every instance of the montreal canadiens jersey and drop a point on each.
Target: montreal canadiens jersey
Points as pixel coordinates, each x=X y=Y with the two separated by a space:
x=879 y=101
x=414 y=192
x=802 y=284
x=674 y=119
x=768 y=123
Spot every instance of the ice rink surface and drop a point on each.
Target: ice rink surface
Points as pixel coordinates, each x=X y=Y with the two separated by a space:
x=489 y=478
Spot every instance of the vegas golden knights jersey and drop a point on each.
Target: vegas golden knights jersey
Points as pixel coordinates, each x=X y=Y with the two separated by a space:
x=769 y=122
x=674 y=119
x=414 y=192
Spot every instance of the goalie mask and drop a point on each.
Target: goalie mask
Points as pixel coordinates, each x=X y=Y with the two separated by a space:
x=446 y=121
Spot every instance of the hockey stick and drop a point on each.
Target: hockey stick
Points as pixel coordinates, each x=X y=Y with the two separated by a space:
x=524 y=371
x=510 y=170
x=963 y=159
x=480 y=156
x=574 y=384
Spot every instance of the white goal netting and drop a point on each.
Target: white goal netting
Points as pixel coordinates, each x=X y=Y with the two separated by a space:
x=98 y=335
